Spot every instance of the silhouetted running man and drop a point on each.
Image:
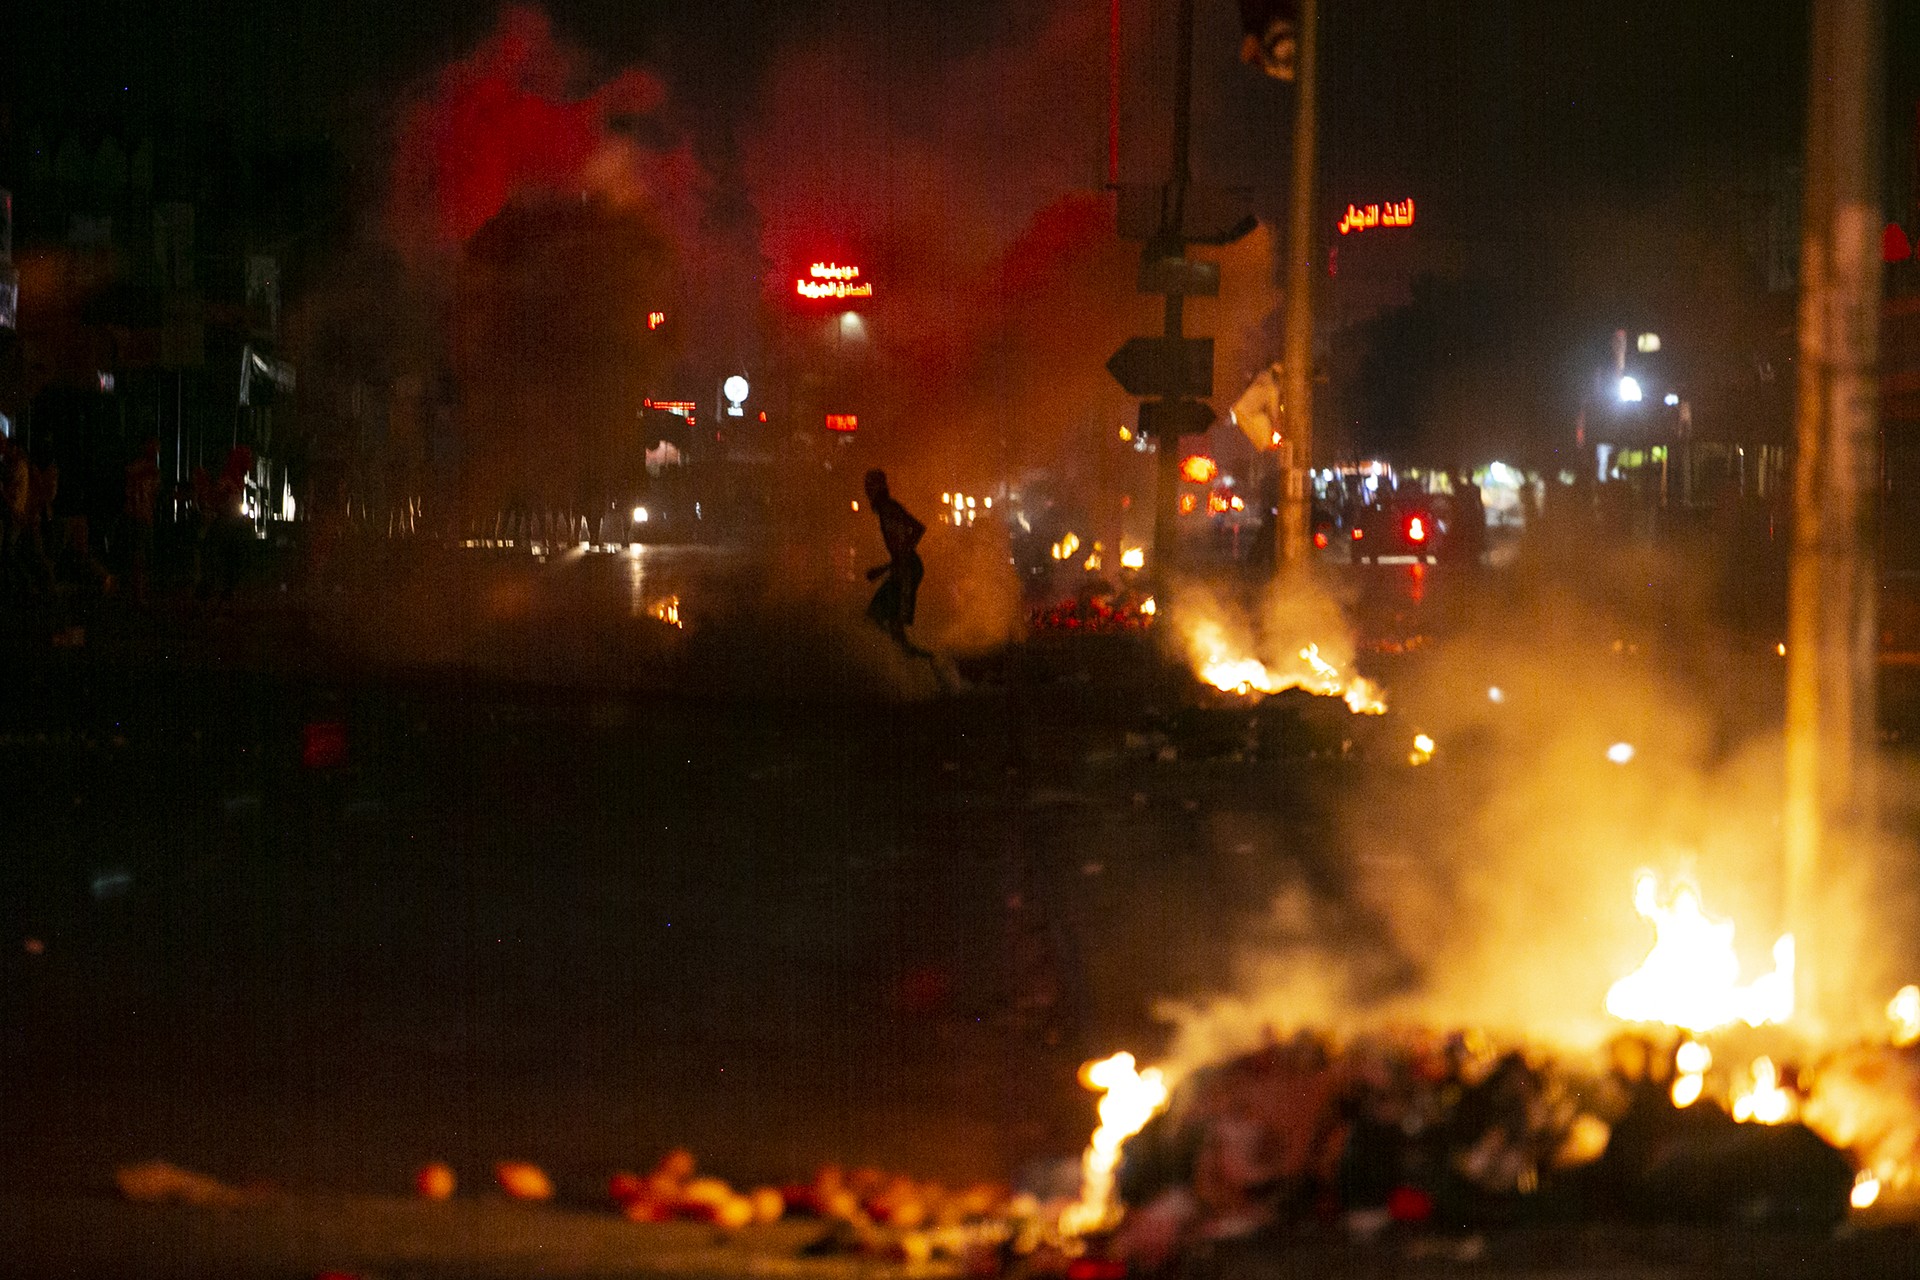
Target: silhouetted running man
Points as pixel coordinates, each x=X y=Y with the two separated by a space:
x=893 y=603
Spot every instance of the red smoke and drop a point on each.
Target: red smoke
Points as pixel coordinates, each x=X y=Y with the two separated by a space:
x=500 y=123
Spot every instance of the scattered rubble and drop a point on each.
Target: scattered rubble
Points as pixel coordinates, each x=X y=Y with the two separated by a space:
x=1453 y=1133
x=157 y=1182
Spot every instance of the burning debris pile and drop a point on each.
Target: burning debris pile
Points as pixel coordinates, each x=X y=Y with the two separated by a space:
x=1454 y=1132
x=1709 y=1109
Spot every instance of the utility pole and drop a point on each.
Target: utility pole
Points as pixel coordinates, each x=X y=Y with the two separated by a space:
x=1832 y=633
x=1172 y=243
x=1295 y=458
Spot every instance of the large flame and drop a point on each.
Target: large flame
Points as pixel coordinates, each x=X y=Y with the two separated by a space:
x=1230 y=671
x=1691 y=978
x=1130 y=1097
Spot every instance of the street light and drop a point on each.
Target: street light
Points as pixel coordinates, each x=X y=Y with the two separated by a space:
x=1629 y=390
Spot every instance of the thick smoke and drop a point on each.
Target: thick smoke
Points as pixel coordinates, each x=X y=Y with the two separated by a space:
x=1493 y=887
x=517 y=119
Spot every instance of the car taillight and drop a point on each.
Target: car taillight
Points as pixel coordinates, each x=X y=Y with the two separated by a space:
x=1320 y=539
x=1416 y=530
x=1358 y=533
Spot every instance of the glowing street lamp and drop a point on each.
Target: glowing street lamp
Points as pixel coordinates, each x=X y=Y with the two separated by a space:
x=1629 y=390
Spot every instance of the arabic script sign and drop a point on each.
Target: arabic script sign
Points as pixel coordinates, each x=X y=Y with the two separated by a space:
x=1391 y=214
x=831 y=280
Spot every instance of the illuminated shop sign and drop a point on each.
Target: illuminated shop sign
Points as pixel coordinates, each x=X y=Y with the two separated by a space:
x=843 y=422
x=1391 y=214
x=831 y=280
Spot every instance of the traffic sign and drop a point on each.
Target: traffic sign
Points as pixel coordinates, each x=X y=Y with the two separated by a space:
x=1208 y=215
x=1171 y=419
x=1173 y=367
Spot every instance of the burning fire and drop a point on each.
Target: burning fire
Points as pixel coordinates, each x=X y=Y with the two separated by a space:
x=1904 y=1012
x=1692 y=1060
x=1230 y=672
x=1691 y=978
x=1764 y=1102
x=1130 y=1097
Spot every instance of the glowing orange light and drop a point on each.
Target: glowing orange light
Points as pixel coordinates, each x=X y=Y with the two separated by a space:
x=1416 y=530
x=843 y=422
x=682 y=407
x=1217 y=503
x=1188 y=504
x=1198 y=468
x=763 y=415
x=1320 y=539
x=1358 y=533
x=655 y=319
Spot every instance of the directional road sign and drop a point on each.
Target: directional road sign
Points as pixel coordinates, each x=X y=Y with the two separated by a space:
x=1169 y=367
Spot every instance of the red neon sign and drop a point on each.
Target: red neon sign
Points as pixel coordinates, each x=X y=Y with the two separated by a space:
x=831 y=280
x=843 y=422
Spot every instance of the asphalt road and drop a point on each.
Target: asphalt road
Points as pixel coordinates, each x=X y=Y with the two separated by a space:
x=580 y=886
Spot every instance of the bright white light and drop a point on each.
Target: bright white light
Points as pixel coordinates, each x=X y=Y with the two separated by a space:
x=1629 y=390
x=1670 y=400
x=735 y=389
x=639 y=515
x=1647 y=342
x=1496 y=694
x=1620 y=752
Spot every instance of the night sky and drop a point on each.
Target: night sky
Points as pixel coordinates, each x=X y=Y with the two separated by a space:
x=1495 y=99
x=1545 y=140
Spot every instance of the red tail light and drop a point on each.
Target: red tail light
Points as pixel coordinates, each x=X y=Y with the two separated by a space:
x=1417 y=529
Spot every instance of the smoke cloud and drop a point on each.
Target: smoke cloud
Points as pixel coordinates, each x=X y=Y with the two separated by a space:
x=1493 y=888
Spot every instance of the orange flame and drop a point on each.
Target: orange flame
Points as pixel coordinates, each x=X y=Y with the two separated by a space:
x=1231 y=672
x=1764 y=1101
x=1130 y=1098
x=1691 y=978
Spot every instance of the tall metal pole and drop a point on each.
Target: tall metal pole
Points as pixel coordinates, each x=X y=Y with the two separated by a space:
x=1296 y=445
x=1832 y=638
x=1172 y=234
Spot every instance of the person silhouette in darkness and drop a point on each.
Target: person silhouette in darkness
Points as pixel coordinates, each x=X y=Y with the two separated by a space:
x=893 y=604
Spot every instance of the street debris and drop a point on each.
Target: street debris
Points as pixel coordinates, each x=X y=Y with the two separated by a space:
x=435 y=1181
x=523 y=1181
x=157 y=1182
